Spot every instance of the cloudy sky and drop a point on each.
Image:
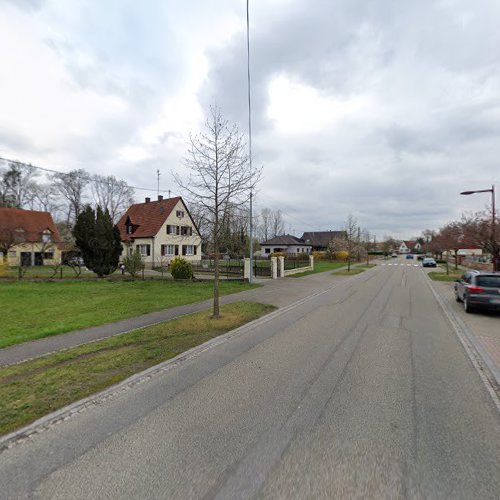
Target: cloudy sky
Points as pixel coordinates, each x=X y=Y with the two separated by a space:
x=385 y=109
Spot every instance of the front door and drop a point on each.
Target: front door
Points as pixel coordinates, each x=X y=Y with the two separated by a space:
x=25 y=259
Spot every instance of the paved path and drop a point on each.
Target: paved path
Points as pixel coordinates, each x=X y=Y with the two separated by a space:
x=277 y=292
x=359 y=391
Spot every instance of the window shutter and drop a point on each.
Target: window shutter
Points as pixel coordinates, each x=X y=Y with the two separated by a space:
x=178 y=230
x=148 y=250
x=195 y=249
x=183 y=249
x=176 y=249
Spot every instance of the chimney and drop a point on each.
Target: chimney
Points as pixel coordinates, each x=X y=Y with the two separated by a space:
x=160 y=197
x=148 y=200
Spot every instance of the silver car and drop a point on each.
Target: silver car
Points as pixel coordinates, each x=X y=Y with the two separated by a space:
x=478 y=290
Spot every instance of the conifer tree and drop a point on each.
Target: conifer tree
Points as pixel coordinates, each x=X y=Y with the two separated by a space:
x=99 y=240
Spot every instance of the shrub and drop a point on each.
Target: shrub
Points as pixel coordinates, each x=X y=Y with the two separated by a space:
x=181 y=269
x=302 y=256
x=133 y=263
x=319 y=255
x=278 y=254
x=341 y=255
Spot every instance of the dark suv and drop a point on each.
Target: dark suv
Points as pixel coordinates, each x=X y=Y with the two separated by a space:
x=478 y=290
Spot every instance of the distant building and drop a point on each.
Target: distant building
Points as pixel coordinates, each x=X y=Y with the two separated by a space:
x=285 y=244
x=28 y=238
x=319 y=240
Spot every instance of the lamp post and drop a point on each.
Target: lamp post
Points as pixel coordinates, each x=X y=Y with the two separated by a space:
x=493 y=217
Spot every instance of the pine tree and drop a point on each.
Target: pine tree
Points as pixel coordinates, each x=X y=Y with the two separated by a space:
x=99 y=241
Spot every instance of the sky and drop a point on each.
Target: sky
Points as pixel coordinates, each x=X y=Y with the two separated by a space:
x=383 y=109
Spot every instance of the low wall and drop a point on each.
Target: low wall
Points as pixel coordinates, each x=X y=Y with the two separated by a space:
x=289 y=272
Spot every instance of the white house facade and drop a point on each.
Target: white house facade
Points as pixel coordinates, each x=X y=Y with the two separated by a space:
x=160 y=230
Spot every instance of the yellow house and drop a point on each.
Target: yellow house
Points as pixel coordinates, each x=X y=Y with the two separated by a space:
x=28 y=238
x=160 y=230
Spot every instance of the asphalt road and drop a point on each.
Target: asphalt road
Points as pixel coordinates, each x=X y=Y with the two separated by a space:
x=361 y=391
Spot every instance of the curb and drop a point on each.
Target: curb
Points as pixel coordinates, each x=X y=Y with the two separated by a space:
x=484 y=365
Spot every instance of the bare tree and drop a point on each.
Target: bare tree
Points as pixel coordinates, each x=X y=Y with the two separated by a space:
x=112 y=194
x=71 y=186
x=8 y=239
x=277 y=223
x=219 y=178
x=265 y=224
x=45 y=198
x=352 y=238
x=17 y=185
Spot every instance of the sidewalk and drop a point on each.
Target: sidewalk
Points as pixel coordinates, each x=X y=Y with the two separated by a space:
x=279 y=292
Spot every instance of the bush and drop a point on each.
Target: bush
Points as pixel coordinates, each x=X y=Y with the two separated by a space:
x=133 y=263
x=319 y=255
x=278 y=254
x=181 y=269
x=341 y=255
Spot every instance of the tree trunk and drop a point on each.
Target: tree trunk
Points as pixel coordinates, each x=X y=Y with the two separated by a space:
x=216 y=309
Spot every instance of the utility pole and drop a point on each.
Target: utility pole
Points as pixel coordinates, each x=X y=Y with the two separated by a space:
x=250 y=278
x=158 y=179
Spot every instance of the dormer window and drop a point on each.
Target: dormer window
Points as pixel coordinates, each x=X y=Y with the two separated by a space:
x=130 y=229
x=46 y=236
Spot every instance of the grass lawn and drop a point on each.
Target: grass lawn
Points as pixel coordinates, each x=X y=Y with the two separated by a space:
x=366 y=266
x=320 y=267
x=442 y=276
x=32 y=310
x=352 y=272
x=35 y=388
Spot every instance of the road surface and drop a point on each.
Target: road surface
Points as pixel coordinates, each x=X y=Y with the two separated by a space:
x=360 y=391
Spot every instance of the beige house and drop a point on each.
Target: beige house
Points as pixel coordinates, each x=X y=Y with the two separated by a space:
x=160 y=230
x=28 y=238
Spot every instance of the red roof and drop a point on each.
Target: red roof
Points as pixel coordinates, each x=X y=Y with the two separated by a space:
x=31 y=222
x=147 y=218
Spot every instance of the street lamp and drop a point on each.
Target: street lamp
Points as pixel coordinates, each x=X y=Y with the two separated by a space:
x=493 y=221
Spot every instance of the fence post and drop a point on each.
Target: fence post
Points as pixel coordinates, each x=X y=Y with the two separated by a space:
x=281 y=261
x=247 y=268
x=274 y=268
x=311 y=261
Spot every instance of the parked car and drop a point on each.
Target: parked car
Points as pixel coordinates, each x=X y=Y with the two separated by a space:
x=478 y=290
x=394 y=255
x=409 y=256
x=76 y=261
x=429 y=262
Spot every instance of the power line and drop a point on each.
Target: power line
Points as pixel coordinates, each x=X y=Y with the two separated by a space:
x=23 y=164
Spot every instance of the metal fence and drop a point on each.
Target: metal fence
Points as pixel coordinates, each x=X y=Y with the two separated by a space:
x=232 y=268
x=296 y=263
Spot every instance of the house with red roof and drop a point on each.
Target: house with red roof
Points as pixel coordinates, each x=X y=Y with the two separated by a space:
x=160 y=230
x=409 y=246
x=28 y=238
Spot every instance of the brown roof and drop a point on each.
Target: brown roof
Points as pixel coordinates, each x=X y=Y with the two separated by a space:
x=32 y=223
x=322 y=238
x=286 y=239
x=147 y=218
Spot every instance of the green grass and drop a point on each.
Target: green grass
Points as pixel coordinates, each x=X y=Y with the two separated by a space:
x=320 y=267
x=33 y=310
x=35 y=388
x=366 y=266
x=442 y=276
x=352 y=272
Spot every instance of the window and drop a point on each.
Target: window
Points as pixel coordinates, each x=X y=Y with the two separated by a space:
x=48 y=255
x=267 y=250
x=167 y=250
x=12 y=253
x=46 y=237
x=188 y=250
x=186 y=230
x=180 y=213
x=144 y=250
x=130 y=229
x=172 y=229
